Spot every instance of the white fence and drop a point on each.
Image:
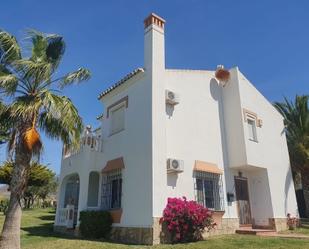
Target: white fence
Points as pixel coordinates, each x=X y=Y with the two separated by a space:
x=65 y=216
x=62 y=217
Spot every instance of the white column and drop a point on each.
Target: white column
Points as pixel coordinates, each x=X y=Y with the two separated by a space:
x=83 y=192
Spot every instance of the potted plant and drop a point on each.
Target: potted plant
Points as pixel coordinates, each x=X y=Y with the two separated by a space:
x=292 y=222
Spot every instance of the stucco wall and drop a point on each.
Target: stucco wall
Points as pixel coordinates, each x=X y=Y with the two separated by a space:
x=260 y=196
x=134 y=145
x=193 y=130
x=271 y=149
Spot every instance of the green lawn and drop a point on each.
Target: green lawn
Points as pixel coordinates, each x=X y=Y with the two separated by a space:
x=301 y=230
x=37 y=234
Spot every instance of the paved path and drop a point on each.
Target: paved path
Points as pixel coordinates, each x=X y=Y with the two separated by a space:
x=286 y=236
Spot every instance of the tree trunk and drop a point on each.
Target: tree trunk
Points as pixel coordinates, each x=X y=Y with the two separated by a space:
x=31 y=202
x=10 y=237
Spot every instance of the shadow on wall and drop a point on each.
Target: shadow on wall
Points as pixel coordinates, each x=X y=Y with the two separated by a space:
x=215 y=90
x=171 y=180
x=169 y=109
x=288 y=183
x=216 y=94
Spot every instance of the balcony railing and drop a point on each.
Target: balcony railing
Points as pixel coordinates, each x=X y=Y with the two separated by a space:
x=94 y=143
x=89 y=142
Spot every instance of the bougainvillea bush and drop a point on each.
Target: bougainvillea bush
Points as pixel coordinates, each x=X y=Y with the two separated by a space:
x=186 y=220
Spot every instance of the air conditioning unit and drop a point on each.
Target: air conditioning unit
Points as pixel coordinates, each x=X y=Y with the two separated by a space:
x=174 y=165
x=171 y=97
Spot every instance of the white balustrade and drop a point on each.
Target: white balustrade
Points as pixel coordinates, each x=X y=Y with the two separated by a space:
x=94 y=143
x=62 y=217
x=65 y=216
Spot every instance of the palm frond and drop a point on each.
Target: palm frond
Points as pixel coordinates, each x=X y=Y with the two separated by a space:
x=47 y=48
x=34 y=72
x=24 y=108
x=8 y=83
x=296 y=119
x=60 y=119
x=9 y=48
x=39 y=45
x=5 y=125
x=55 y=49
x=81 y=74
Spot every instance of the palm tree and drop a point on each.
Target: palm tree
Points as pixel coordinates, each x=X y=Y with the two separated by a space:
x=4 y=129
x=296 y=118
x=32 y=90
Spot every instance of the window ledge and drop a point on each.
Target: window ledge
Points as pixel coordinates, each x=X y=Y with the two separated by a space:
x=218 y=211
x=253 y=140
x=116 y=132
x=93 y=207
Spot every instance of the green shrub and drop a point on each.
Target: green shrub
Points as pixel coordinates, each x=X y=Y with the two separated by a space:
x=95 y=224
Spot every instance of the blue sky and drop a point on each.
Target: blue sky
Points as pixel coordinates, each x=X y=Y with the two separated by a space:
x=267 y=40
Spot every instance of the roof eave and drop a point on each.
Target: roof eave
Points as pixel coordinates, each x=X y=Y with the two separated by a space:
x=120 y=82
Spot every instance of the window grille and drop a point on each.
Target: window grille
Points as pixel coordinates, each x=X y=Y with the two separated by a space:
x=111 y=190
x=209 y=190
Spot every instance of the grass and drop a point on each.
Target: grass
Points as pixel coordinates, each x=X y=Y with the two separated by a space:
x=304 y=230
x=37 y=233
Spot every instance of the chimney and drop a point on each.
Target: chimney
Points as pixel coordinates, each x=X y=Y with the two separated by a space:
x=154 y=56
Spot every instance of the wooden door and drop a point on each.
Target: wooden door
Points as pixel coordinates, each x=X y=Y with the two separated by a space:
x=242 y=199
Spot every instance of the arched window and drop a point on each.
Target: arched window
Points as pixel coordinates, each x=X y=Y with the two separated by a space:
x=71 y=194
x=93 y=189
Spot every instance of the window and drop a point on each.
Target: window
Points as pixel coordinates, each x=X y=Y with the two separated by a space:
x=252 y=129
x=209 y=190
x=252 y=121
x=93 y=189
x=112 y=190
x=117 y=119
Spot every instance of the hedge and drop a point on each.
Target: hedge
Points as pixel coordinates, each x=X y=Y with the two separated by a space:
x=95 y=224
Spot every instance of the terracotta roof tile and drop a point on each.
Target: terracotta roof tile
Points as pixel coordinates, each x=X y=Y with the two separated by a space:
x=120 y=82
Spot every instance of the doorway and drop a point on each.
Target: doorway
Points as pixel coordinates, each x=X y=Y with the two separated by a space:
x=243 y=201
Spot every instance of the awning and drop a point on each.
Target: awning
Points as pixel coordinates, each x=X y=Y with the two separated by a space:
x=115 y=164
x=207 y=167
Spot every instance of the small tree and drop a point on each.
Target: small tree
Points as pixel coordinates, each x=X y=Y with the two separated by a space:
x=41 y=181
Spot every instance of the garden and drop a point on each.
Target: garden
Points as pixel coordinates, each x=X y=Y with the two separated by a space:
x=37 y=233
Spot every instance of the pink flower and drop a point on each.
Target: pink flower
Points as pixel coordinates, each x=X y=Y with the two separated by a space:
x=186 y=220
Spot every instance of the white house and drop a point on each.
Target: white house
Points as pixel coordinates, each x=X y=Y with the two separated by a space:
x=173 y=133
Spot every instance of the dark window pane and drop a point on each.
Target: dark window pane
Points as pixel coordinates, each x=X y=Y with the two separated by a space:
x=209 y=193
x=116 y=193
x=199 y=184
x=199 y=191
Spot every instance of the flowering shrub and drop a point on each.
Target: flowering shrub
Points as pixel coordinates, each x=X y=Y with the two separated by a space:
x=186 y=220
x=292 y=222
